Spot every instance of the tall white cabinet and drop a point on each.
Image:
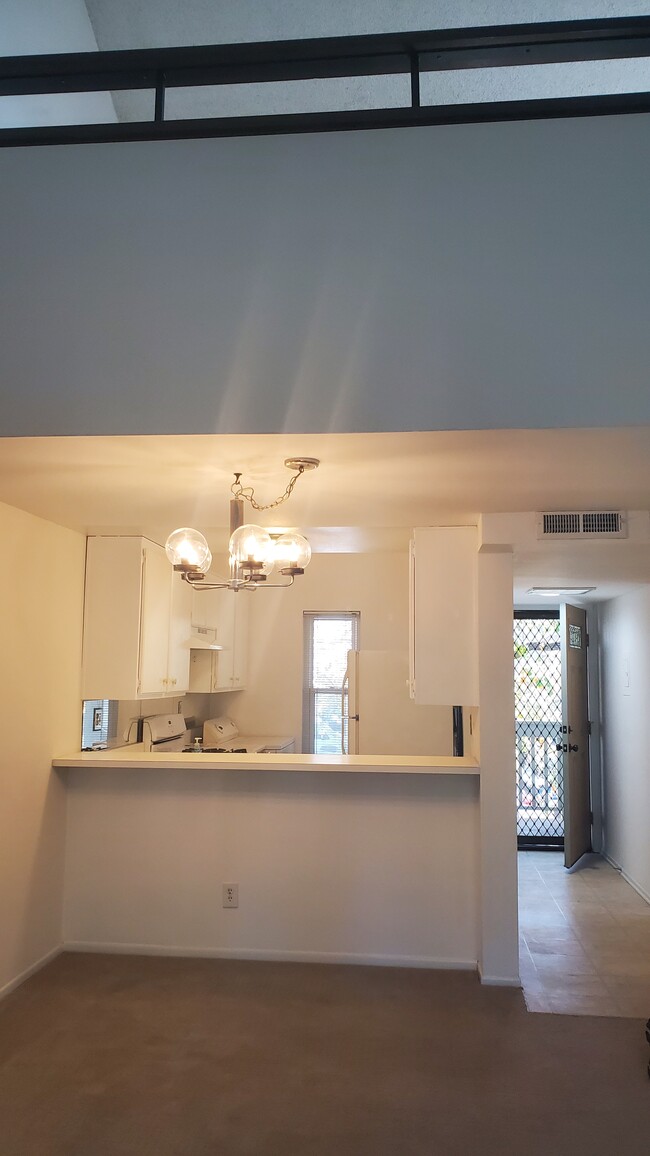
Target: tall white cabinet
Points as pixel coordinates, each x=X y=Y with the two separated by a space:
x=444 y=619
x=137 y=621
x=224 y=613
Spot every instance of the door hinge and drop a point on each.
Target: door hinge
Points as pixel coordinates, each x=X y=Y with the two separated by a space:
x=588 y=728
x=586 y=640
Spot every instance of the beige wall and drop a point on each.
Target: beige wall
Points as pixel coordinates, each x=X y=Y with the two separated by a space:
x=625 y=682
x=377 y=585
x=41 y=598
x=330 y=867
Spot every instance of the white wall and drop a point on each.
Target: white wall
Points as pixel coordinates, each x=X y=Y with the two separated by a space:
x=473 y=276
x=41 y=596
x=496 y=743
x=349 y=867
x=30 y=27
x=375 y=584
x=625 y=687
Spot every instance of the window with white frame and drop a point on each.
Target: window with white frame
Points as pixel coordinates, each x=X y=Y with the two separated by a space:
x=328 y=636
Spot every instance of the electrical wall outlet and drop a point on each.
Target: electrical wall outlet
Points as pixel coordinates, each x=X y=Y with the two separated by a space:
x=230 y=894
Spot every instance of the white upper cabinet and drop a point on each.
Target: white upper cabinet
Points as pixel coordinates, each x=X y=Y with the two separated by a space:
x=205 y=608
x=227 y=615
x=178 y=654
x=443 y=628
x=136 y=621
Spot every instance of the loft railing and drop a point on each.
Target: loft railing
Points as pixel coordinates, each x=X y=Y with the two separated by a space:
x=412 y=55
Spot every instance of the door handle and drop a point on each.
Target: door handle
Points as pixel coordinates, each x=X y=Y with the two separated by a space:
x=573 y=747
x=561 y=747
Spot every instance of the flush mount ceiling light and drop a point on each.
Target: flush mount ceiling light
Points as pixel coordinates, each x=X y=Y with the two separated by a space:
x=560 y=591
x=254 y=553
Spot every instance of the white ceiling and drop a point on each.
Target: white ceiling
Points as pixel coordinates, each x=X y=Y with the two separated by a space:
x=369 y=491
x=159 y=23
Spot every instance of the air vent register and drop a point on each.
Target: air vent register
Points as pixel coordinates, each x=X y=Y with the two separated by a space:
x=582 y=524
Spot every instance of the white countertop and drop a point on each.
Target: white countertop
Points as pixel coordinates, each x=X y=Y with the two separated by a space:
x=135 y=758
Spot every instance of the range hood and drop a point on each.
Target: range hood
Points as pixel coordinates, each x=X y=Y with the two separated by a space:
x=203 y=638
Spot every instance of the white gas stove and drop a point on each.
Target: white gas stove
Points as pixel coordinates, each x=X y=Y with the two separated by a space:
x=164 y=733
x=221 y=736
x=167 y=732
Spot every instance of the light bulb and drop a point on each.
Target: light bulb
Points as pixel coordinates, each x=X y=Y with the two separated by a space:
x=292 y=551
x=188 y=549
x=251 y=548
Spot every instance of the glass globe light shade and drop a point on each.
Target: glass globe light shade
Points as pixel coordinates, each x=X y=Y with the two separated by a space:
x=292 y=551
x=188 y=548
x=252 y=544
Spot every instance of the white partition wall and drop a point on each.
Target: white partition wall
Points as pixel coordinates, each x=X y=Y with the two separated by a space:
x=331 y=867
x=499 y=960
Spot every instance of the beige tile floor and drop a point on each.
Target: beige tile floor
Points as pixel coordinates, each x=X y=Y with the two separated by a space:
x=584 y=938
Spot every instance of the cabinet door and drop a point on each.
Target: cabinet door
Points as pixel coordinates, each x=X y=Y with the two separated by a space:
x=154 y=624
x=205 y=608
x=202 y=667
x=178 y=658
x=112 y=615
x=444 y=650
x=222 y=667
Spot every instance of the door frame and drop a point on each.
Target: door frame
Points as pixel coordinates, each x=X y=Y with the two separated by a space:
x=593 y=689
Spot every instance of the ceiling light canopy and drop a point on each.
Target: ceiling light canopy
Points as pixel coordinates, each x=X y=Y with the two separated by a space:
x=254 y=553
x=560 y=591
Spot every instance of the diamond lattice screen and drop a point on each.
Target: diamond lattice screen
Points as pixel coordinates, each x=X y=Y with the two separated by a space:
x=538 y=727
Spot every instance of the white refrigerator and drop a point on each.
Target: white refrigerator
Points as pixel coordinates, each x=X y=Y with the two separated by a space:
x=380 y=717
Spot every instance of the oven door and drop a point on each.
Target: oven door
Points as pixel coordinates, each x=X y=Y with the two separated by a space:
x=164 y=733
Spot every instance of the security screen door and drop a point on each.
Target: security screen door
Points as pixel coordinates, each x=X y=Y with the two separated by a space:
x=538 y=729
x=575 y=734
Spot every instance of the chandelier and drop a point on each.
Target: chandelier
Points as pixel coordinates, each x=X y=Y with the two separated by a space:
x=254 y=553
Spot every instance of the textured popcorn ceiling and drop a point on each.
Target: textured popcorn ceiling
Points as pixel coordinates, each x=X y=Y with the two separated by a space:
x=159 y=23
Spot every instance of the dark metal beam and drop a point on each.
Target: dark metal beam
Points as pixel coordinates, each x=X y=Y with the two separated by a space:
x=381 y=54
x=288 y=123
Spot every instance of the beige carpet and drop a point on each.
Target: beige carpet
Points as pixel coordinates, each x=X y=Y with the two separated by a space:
x=105 y=1055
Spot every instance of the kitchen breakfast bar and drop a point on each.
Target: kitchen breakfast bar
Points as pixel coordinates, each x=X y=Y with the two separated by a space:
x=134 y=757
x=347 y=859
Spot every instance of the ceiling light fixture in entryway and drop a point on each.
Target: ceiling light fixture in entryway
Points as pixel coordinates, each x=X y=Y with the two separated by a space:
x=560 y=591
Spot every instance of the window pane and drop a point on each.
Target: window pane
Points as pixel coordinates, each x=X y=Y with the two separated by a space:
x=332 y=639
x=327 y=637
x=48 y=109
x=327 y=723
x=325 y=94
x=534 y=81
